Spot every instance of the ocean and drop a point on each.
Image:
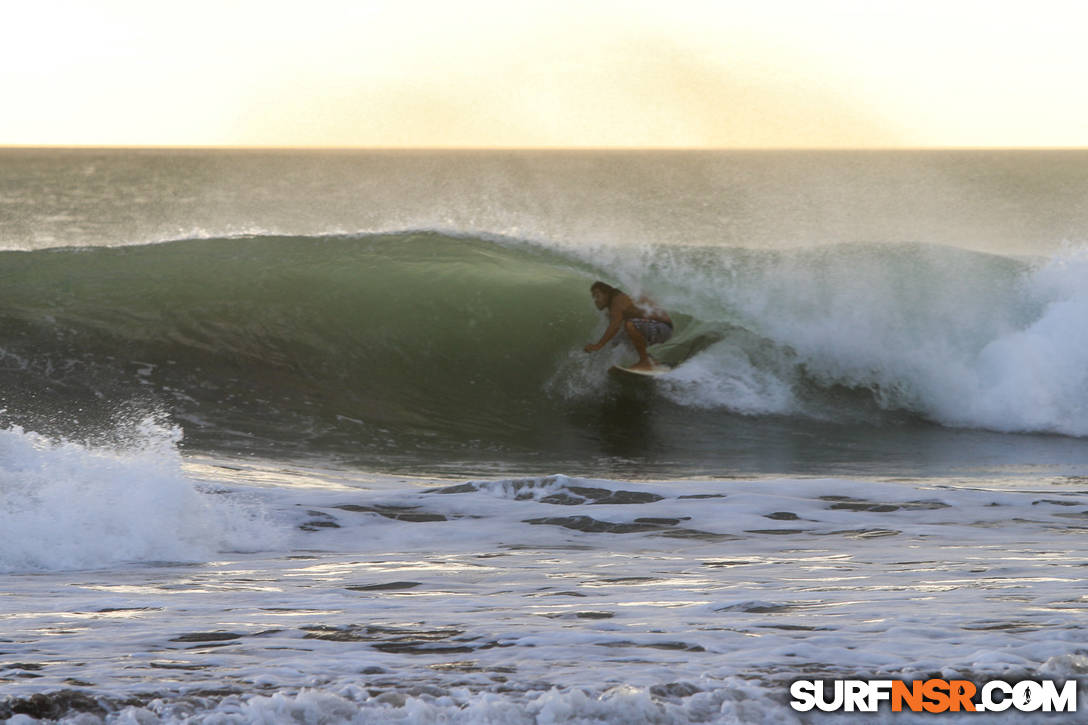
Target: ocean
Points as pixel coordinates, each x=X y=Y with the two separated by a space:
x=309 y=436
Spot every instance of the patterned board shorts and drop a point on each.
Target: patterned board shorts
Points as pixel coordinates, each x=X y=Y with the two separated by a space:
x=655 y=331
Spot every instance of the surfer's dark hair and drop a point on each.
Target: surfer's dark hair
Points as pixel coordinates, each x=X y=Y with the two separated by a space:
x=608 y=289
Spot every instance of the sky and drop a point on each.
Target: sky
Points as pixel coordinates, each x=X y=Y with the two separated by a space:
x=561 y=73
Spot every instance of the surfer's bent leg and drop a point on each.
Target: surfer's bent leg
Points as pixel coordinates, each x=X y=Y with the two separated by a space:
x=643 y=333
x=639 y=341
x=634 y=331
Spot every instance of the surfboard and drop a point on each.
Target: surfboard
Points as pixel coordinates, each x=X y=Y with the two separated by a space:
x=624 y=372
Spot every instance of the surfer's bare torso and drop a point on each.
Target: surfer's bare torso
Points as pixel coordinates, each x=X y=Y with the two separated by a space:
x=645 y=323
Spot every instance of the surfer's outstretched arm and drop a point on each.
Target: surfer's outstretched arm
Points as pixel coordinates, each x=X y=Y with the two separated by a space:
x=613 y=327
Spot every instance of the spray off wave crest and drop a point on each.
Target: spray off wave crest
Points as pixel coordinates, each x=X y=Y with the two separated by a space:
x=422 y=341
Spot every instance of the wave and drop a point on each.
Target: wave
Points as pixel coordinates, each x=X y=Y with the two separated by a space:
x=64 y=505
x=417 y=341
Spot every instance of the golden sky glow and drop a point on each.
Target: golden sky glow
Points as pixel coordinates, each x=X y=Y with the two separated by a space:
x=481 y=73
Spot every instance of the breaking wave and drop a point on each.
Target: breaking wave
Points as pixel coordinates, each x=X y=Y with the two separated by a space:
x=426 y=340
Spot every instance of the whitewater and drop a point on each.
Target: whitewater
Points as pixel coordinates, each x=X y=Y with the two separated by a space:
x=310 y=436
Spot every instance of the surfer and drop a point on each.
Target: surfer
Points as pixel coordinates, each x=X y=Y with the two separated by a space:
x=643 y=321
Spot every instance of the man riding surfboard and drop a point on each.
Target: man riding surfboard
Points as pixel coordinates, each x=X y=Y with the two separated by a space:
x=643 y=322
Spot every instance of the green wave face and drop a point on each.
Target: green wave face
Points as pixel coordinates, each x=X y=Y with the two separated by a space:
x=412 y=334
x=428 y=346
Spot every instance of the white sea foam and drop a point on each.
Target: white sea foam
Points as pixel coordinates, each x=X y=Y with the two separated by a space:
x=726 y=378
x=1035 y=378
x=578 y=600
x=961 y=338
x=66 y=505
x=738 y=703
